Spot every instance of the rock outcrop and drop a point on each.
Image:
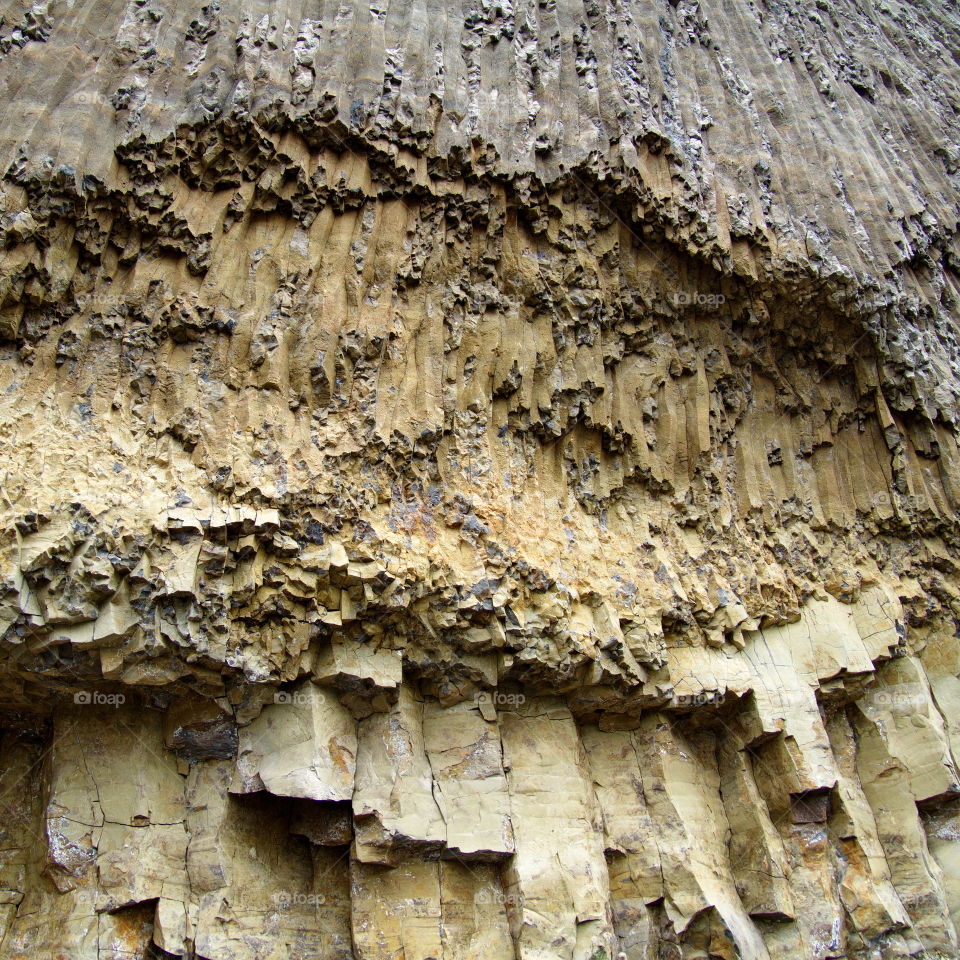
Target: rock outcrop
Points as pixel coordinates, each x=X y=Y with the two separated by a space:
x=479 y=482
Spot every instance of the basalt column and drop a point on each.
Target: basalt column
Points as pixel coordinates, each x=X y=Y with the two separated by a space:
x=479 y=480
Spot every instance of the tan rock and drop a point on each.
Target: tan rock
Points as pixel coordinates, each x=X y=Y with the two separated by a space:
x=304 y=744
x=557 y=880
x=394 y=807
x=259 y=892
x=470 y=788
x=490 y=473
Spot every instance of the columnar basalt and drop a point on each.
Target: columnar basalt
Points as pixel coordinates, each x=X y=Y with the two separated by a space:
x=480 y=481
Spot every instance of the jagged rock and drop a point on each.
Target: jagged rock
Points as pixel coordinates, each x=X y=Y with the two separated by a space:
x=394 y=806
x=197 y=729
x=480 y=481
x=557 y=880
x=304 y=744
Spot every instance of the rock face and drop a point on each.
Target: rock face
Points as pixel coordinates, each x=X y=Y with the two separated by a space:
x=480 y=481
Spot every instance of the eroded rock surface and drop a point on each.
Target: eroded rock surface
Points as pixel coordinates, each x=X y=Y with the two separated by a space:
x=479 y=481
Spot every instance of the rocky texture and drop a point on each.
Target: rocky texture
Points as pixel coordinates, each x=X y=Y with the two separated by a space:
x=480 y=481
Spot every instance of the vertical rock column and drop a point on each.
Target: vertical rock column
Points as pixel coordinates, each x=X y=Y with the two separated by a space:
x=631 y=839
x=681 y=785
x=430 y=783
x=557 y=882
x=259 y=893
x=115 y=836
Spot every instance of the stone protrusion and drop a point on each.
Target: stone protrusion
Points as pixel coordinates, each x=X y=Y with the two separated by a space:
x=479 y=481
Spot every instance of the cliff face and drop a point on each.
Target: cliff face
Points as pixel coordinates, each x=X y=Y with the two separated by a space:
x=479 y=481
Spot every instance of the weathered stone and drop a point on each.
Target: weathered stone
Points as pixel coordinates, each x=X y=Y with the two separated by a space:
x=394 y=806
x=325 y=824
x=257 y=891
x=304 y=744
x=429 y=909
x=198 y=729
x=557 y=880
x=479 y=480
x=469 y=785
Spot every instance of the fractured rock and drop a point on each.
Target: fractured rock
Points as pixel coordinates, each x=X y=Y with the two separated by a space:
x=304 y=744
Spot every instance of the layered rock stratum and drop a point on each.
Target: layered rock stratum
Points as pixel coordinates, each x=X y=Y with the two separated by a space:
x=479 y=480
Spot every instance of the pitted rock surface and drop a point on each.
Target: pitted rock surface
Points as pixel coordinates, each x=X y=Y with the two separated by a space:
x=479 y=480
